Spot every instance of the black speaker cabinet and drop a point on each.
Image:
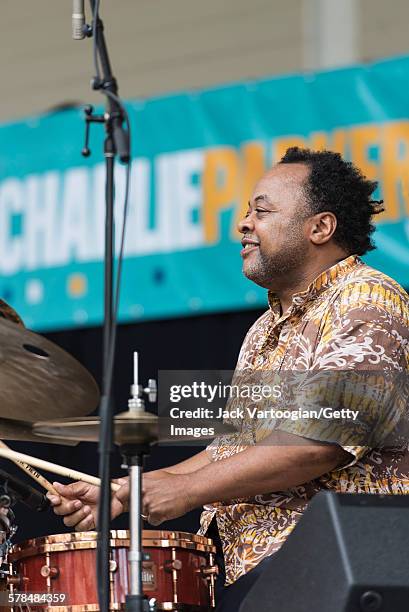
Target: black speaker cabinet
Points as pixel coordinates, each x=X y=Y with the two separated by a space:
x=348 y=553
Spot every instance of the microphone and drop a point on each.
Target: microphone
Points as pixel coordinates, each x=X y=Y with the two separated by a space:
x=23 y=492
x=78 y=19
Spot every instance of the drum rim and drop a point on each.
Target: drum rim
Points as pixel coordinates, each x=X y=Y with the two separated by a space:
x=160 y=605
x=85 y=540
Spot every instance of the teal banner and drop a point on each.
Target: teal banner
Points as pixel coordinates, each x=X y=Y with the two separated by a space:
x=196 y=159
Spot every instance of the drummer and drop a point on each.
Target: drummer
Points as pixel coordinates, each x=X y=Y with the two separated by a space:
x=309 y=220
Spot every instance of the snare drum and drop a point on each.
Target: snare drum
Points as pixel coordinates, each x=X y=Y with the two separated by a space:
x=178 y=570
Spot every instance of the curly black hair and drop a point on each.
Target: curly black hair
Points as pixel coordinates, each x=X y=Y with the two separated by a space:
x=338 y=186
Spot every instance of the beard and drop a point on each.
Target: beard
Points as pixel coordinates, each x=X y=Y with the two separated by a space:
x=271 y=269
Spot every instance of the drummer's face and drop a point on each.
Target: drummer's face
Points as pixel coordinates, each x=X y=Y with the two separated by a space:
x=275 y=243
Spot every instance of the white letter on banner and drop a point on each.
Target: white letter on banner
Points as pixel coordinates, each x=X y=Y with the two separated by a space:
x=96 y=216
x=140 y=238
x=120 y=179
x=96 y=236
x=40 y=226
x=74 y=234
x=177 y=197
x=11 y=202
x=188 y=198
x=165 y=204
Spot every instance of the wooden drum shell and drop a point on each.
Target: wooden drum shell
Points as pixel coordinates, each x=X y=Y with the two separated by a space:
x=178 y=569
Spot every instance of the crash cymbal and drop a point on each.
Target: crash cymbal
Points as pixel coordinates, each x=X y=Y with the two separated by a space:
x=21 y=431
x=129 y=428
x=39 y=380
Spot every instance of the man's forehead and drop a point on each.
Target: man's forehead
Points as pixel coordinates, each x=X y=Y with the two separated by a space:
x=281 y=177
x=291 y=173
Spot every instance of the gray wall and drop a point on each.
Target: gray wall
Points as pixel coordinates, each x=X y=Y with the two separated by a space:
x=385 y=28
x=160 y=46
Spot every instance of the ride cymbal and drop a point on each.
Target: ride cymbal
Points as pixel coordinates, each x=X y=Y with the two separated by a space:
x=129 y=428
x=21 y=431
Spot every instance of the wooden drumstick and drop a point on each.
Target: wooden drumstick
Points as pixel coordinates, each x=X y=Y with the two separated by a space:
x=31 y=472
x=54 y=468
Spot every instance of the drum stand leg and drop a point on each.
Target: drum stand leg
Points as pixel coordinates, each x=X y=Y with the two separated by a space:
x=133 y=459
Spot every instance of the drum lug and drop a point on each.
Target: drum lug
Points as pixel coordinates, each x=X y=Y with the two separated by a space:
x=209 y=570
x=209 y=573
x=49 y=572
x=172 y=565
x=17 y=580
x=113 y=566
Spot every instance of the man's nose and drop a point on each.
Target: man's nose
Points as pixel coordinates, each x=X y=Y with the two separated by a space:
x=246 y=225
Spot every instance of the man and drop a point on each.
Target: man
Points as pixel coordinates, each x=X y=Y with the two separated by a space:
x=308 y=221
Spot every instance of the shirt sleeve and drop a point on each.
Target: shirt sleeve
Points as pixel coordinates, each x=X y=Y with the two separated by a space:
x=7 y=312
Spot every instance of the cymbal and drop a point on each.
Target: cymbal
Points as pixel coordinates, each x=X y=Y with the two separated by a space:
x=142 y=429
x=129 y=428
x=21 y=431
x=39 y=380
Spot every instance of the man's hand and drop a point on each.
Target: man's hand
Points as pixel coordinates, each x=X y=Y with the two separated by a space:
x=165 y=496
x=78 y=503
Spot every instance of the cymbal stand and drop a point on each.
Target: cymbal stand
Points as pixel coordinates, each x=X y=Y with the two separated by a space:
x=133 y=456
x=8 y=528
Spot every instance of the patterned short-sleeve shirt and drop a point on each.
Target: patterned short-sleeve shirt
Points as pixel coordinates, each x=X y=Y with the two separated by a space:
x=351 y=318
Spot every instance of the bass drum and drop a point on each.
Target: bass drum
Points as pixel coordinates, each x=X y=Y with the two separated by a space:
x=178 y=571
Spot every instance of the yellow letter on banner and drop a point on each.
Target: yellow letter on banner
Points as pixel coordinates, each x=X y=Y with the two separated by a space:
x=317 y=141
x=281 y=145
x=361 y=138
x=330 y=141
x=253 y=168
x=395 y=168
x=220 y=188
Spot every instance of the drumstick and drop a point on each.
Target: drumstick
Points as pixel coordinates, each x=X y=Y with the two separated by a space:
x=32 y=472
x=54 y=468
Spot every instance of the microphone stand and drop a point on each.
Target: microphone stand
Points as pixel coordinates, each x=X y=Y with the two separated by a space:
x=116 y=143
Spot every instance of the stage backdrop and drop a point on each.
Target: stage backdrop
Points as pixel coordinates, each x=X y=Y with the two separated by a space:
x=196 y=158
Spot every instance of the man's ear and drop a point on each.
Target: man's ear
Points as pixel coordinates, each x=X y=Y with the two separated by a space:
x=322 y=227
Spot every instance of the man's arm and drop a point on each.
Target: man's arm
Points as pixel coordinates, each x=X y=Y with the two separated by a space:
x=187 y=466
x=256 y=470
x=262 y=469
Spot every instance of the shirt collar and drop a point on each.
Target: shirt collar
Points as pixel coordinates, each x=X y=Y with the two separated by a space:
x=319 y=284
